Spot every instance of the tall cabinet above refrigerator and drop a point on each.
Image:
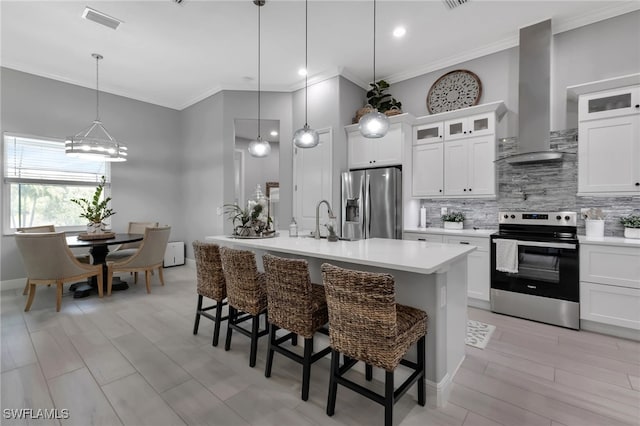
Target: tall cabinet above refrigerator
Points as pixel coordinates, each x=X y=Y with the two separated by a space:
x=372 y=204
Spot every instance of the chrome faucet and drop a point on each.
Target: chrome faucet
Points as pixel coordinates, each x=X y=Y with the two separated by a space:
x=331 y=216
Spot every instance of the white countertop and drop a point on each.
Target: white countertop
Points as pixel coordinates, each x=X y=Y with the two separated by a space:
x=442 y=231
x=414 y=256
x=610 y=241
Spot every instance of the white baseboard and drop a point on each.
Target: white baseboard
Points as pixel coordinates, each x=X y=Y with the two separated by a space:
x=611 y=330
x=17 y=283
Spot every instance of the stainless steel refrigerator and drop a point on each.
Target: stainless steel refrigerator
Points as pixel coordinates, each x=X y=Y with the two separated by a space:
x=372 y=204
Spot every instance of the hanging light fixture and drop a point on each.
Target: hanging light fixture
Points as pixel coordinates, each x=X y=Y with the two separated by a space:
x=306 y=137
x=374 y=124
x=258 y=147
x=94 y=142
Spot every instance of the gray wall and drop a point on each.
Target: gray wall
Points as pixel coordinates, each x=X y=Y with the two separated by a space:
x=598 y=51
x=147 y=187
x=257 y=171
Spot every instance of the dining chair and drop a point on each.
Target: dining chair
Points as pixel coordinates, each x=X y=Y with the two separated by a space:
x=366 y=324
x=146 y=259
x=84 y=258
x=48 y=260
x=129 y=249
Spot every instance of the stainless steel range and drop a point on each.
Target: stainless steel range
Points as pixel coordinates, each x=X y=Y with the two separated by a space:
x=534 y=267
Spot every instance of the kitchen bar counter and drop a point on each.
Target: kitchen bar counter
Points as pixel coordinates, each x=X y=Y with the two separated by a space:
x=429 y=276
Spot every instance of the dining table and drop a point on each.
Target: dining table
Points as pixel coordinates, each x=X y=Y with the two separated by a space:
x=99 y=248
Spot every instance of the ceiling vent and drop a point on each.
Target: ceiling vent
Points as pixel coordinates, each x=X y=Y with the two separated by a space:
x=101 y=18
x=451 y=4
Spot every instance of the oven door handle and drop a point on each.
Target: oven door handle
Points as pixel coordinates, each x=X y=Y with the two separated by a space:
x=544 y=244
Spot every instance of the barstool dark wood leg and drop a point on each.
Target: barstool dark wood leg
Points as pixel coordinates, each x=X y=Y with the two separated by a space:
x=333 y=382
x=216 y=325
x=270 y=351
x=230 y=320
x=421 y=367
x=198 y=309
x=388 y=398
x=368 y=372
x=306 y=367
x=255 y=326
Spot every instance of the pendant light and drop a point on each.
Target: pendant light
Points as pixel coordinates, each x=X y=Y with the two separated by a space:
x=306 y=137
x=259 y=148
x=374 y=124
x=94 y=142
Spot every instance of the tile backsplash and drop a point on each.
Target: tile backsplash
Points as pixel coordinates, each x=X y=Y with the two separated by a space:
x=537 y=187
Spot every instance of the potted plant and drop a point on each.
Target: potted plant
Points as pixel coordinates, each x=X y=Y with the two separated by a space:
x=453 y=220
x=631 y=225
x=594 y=222
x=250 y=222
x=378 y=99
x=95 y=210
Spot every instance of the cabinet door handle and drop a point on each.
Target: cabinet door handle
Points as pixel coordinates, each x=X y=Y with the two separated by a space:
x=469 y=131
x=465 y=190
x=637 y=105
x=440 y=190
x=441 y=135
x=469 y=189
x=464 y=242
x=465 y=132
x=422 y=239
x=637 y=183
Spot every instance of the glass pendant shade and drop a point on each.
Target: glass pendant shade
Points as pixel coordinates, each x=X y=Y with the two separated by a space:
x=94 y=142
x=306 y=137
x=259 y=148
x=374 y=124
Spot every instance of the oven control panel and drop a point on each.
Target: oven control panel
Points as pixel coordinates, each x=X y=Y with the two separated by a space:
x=539 y=218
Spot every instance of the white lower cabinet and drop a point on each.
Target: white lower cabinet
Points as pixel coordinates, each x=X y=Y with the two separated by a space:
x=478 y=261
x=610 y=285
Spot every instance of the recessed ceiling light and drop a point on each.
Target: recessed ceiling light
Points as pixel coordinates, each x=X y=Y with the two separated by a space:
x=399 y=32
x=274 y=133
x=302 y=72
x=101 y=18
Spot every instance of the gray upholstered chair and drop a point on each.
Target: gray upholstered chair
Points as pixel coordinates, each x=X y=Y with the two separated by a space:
x=147 y=258
x=84 y=258
x=129 y=249
x=48 y=260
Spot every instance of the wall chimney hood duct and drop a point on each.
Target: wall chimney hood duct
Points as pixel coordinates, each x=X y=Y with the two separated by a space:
x=534 y=96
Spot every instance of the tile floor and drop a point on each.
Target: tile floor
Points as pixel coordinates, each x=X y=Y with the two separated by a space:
x=131 y=359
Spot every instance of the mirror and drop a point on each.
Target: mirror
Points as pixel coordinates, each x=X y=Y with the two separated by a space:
x=250 y=171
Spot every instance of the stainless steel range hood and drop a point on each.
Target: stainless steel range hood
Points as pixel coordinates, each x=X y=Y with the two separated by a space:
x=534 y=90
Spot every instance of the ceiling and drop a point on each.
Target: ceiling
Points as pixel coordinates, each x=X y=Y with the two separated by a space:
x=174 y=54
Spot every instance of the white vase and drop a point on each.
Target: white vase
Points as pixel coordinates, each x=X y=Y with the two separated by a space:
x=453 y=225
x=632 y=232
x=594 y=227
x=95 y=228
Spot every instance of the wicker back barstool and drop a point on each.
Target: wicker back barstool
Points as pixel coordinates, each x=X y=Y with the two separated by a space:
x=246 y=295
x=366 y=324
x=298 y=306
x=211 y=284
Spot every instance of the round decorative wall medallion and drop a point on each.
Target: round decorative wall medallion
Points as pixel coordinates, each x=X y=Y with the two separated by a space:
x=454 y=90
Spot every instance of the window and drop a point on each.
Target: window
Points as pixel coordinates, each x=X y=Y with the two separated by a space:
x=39 y=181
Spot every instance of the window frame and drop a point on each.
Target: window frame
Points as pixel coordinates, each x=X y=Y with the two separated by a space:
x=6 y=182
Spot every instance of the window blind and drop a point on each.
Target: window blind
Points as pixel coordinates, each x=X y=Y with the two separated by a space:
x=44 y=161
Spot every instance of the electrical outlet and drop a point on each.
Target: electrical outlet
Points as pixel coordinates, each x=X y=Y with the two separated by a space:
x=443 y=210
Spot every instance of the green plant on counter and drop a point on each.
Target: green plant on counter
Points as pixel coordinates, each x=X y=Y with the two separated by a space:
x=95 y=210
x=631 y=221
x=453 y=217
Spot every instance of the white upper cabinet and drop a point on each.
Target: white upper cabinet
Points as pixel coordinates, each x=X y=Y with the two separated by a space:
x=454 y=153
x=385 y=151
x=477 y=125
x=609 y=142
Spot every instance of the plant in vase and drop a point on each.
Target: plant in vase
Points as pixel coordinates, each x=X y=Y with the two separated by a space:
x=378 y=99
x=594 y=222
x=631 y=225
x=95 y=210
x=453 y=220
x=250 y=222
x=331 y=228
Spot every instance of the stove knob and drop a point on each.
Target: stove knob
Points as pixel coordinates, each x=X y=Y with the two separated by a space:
x=558 y=217
x=506 y=216
x=513 y=216
x=567 y=217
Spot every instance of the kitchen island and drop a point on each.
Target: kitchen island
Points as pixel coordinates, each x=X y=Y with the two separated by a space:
x=429 y=276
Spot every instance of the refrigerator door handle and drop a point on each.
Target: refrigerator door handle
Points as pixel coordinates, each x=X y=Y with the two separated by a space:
x=367 y=221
